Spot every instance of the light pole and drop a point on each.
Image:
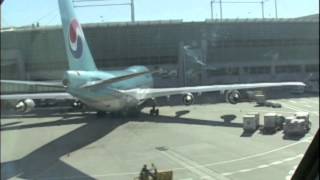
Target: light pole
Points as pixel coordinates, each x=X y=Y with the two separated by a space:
x=220 y=9
x=211 y=5
x=262 y=9
x=275 y=8
x=132 y=11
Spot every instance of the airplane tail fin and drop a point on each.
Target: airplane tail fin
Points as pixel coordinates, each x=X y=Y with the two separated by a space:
x=78 y=53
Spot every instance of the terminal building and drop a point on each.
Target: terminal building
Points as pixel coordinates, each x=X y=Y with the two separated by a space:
x=185 y=53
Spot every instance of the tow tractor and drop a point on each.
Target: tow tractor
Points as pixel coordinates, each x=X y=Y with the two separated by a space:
x=153 y=174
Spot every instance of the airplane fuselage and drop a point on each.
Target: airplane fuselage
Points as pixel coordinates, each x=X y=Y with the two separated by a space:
x=107 y=97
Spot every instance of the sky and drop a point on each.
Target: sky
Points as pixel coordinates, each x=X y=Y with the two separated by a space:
x=26 y=12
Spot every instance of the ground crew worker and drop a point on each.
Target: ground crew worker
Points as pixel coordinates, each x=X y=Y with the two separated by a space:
x=154 y=172
x=144 y=173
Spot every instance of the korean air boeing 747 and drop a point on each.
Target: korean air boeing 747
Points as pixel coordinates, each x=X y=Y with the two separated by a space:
x=112 y=91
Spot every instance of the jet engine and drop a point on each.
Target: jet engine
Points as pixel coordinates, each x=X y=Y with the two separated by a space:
x=233 y=97
x=25 y=105
x=188 y=99
x=77 y=104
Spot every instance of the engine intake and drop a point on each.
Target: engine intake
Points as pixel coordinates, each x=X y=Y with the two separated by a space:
x=233 y=97
x=77 y=104
x=25 y=105
x=188 y=99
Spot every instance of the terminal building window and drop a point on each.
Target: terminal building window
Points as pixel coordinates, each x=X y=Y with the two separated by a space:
x=288 y=69
x=233 y=71
x=217 y=72
x=257 y=70
x=312 y=68
x=224 y=71
x=10 y=71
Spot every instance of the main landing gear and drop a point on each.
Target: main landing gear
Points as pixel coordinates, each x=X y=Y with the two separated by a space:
x=154 y=111
x=101 y=113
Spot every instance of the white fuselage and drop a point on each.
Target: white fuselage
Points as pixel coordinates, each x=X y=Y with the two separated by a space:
x=108 y=97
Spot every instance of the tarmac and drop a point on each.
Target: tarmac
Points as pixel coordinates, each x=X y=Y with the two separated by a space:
x=196 y=142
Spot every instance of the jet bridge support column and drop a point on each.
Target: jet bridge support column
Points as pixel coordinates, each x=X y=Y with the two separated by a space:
x=192 y=61
x=204 y=47
x=181 y=64
x=12 y=57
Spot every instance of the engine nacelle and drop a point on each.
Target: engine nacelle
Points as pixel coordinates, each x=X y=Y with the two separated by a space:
x=77 y=104
x=233 y=97
x=188 y=99
x=25 y=105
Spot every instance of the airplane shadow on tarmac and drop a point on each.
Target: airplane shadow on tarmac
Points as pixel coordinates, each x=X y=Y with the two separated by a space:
x=9 y=124
x=40 y=112
x=181 y=113
x=180 y=120
x=45 y=161
x=247 y=133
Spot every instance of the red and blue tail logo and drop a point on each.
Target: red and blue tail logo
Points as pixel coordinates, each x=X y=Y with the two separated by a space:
x=75 y=39
x=77 y=50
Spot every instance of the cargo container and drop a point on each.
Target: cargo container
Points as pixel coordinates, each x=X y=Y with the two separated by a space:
x=280 y=120
x=273 y=122
x=305 y=116
x=250 y=122
x=302 y=115
x=294 y=126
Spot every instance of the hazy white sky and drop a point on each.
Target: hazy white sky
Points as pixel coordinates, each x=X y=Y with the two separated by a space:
x=26 y=12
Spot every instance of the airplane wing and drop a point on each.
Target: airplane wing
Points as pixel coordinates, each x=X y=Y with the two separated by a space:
x=50 y=95
x=58 y=96
x=34 y=83
x=147 y=93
